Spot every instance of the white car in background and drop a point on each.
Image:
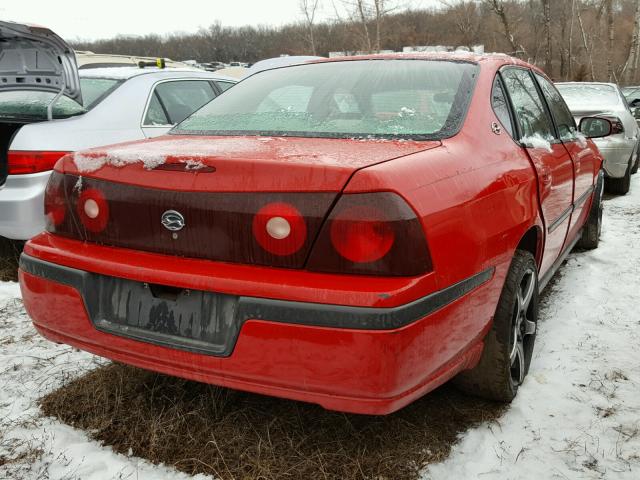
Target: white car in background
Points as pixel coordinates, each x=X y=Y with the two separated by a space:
x=94 y=107
x=620 y=150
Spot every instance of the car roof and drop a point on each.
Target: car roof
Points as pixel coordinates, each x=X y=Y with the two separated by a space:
x=614 y=85
x=460 y=55
x=126 y=73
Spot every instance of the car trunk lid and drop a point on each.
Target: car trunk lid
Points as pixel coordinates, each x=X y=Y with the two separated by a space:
x=34 y=58
x=238 y=164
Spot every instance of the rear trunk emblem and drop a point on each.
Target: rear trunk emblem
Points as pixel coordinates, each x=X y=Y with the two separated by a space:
x=173 y=221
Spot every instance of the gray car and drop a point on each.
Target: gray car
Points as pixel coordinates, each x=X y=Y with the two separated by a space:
x=620 y=150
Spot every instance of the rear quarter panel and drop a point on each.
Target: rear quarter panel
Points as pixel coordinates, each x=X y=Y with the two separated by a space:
x=476 y=196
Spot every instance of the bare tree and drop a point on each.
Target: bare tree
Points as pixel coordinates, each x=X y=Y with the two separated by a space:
x=497 y=6
x=308 y=9
x=570 y=54
x=546 y=9
x=609 y=7
x=587 y=50
x=631 y=65
x=466 y=18
x=368 y=13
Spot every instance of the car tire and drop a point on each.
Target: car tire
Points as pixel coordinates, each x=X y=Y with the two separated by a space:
x=593 y=227
x=508 y=347
x=620 y=186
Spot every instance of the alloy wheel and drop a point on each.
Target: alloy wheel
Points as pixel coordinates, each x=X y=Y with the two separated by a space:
x=523 y=326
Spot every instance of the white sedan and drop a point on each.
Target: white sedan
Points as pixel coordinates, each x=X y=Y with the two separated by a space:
x=94 y=107
x=587 y=99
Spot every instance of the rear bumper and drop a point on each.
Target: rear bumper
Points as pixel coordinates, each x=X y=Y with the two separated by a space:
x=617 y=155
x=22 y=205
x=348 y=358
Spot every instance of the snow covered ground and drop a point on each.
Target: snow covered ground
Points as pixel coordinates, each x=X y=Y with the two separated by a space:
x=577 y=415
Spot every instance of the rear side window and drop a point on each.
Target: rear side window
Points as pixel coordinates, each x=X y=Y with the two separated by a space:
x=501 y=106
x=564 y=120
x=155 y=113
x=176 y=100
x=531 y=115
x=94 y=90
x=224 y=86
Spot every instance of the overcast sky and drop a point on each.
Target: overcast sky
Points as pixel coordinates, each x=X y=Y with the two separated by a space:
x=86 y=19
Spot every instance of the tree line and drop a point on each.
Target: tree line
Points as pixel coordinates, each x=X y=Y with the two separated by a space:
x=571 y=39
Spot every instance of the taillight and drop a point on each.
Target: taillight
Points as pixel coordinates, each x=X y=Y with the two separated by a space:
x=93 y=210
x=616 y=125
x=371 y=233
x=362 y=234
x=279 y=228
x=55 y=206
x=24 y=162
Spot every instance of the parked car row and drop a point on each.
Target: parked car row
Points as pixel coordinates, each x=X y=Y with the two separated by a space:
x=350 y=232
x=99 y=106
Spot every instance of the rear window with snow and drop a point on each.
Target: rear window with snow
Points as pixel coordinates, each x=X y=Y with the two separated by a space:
x=32 y=105
x=580 y=96
x=365 y=98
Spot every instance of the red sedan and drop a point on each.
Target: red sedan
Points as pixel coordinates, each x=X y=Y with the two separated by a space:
x=350 y=232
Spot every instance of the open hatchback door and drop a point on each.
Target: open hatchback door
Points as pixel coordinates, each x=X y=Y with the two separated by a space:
x=35 y=58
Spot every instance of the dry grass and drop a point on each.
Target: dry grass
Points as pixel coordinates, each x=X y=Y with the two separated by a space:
x=204 y=429
x=9 y=254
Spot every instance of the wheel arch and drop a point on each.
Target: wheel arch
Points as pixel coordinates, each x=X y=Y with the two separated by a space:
x=531 y=242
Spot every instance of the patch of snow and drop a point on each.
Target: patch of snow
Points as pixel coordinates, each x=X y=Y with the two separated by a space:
x=406 y=112
x=191 y=164
x=582 y=140
x=537 y=141
x=78 y=186
x=577 y=415
x=31 y=367
x=88 y=162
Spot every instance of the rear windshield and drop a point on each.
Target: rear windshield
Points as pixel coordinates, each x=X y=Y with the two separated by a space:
x=418 y=99
x=31 y=105
x=631 y=93
x=580 y=97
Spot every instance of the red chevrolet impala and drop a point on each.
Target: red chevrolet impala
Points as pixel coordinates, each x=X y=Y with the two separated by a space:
x=352 y=232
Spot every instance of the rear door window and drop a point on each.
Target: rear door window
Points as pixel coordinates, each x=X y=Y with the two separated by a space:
x=531 y=115
x=175 y=100
x=564 y=120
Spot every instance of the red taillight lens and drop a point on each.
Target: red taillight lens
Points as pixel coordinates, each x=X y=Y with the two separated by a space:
x=279 y=228
x=362 y=234
x=25 y=162
x=617 y=126
x=93 y=210
x=371 y=233
x=55 y=207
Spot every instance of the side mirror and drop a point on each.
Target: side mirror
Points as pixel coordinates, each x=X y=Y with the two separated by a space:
x=595 y=127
